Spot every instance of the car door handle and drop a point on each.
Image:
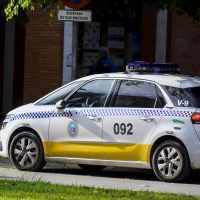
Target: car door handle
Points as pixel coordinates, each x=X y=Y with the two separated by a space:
x=147 y=119
x=95 y=118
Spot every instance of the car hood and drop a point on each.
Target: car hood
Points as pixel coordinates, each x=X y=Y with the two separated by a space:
x=21 y=109
x=31 y=108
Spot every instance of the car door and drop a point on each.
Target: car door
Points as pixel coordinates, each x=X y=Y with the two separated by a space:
x=136 y=109
x=77 y=132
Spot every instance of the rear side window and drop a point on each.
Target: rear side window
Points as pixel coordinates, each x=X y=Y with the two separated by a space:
x=178 y=96
x=137 y=94
x=195 y=95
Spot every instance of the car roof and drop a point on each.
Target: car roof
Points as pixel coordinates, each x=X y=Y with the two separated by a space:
x=173 y=80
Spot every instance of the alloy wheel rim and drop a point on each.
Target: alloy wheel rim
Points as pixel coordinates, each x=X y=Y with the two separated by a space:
x=25 y=152
x=169 y=161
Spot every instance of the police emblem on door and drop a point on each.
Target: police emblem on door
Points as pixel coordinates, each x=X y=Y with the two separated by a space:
x=73 y=129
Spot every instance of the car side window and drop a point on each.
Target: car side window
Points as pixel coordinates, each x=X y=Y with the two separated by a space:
x=161 y=102
x=92 y=94
x=137 y=94
x=178 y=96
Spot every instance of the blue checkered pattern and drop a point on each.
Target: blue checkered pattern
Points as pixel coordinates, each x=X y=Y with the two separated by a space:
x=41 y=114
x=177 y=113
x=128 y=112
x=103 y=112
x=67 y=113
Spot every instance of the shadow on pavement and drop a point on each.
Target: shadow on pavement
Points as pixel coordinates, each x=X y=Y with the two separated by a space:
x=108 y=172
x=115 y=172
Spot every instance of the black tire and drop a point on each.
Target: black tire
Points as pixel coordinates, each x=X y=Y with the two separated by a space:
x=26 y=152
x=171 y=162
x=91 y=168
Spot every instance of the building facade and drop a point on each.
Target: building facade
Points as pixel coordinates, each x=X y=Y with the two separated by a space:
x=38 y=58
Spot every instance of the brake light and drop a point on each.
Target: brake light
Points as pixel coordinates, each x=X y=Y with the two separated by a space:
x=196 y=118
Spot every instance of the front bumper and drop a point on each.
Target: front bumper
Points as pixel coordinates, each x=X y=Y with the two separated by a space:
x=3 y=143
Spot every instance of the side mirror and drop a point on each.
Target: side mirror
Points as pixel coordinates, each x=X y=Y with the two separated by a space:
x=60 y=105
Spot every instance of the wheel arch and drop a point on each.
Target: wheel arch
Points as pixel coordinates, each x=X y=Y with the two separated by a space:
x=19 y=130
x=163 y=139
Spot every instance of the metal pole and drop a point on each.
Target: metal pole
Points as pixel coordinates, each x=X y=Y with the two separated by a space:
x=161 y=36
x=74 y=44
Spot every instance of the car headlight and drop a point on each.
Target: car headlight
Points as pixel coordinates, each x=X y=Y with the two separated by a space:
x=4 y=123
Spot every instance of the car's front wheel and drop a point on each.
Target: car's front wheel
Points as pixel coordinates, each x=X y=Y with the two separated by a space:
x=171 y=162
x=26 y=152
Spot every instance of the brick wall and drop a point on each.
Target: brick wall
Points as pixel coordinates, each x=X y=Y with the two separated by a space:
x=43 y=55
x=185 y=44
x=148 y=41
x=183 y=40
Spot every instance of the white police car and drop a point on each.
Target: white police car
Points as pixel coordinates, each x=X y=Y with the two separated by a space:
x=147 y=117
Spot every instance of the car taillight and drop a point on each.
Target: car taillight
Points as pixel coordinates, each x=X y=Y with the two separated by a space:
x=196 y=118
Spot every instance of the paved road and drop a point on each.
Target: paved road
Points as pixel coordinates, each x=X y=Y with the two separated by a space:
x=108 y=178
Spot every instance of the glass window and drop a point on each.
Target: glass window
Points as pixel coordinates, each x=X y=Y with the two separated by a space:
x=161 y=102
x=178 y=96
x=58 y=95
x=195 y=95
x=138 y=94
x=92 y=94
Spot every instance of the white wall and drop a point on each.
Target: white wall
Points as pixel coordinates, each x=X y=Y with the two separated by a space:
x=67 y=52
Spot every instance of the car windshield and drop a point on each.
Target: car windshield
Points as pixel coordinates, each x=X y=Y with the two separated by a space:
x=194 y=92
x=58 y=95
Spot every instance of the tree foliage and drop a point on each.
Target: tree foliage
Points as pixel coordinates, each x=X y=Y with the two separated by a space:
x=191 y=8
x=18 y=8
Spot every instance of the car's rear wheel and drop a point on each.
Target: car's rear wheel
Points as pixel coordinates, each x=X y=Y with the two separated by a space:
x=171 y=162
x=91 y=168
x=26 y=152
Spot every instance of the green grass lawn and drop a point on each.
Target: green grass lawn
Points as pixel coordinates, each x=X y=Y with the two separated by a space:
x=22 y=189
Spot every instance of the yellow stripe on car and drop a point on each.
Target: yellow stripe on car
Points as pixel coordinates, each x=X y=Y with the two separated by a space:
x=128 y=152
